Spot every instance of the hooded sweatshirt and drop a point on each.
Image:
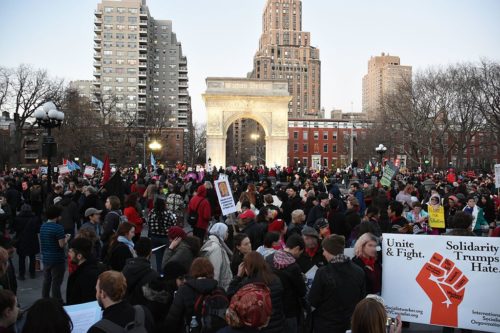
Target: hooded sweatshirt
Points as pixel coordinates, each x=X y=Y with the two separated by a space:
x=138 y=272
x=200 y=204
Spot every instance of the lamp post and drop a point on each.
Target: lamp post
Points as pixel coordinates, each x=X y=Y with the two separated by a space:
x=381 y=149
x=255 y=137
x=48 y=117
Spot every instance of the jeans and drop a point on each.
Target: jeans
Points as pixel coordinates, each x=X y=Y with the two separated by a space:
x=53 y=275
x=22 y=265
x=157 y=241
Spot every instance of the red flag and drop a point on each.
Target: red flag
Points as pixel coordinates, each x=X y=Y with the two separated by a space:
x=106 y=171
x=65 y=161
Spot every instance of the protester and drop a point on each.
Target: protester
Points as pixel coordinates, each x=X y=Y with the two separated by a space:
x=370 y=317
x=159 y=222
x=479 y=222
x=70 y=216
x=201 y=207
x=132 y=214
x=297 y=223
x=111 y=288
x=26 y=226
x=9 y=311
x=242 y=247
x=47 y=315
x=111 y=222
x=179 y=250
x=121 y=247
x=271 y=240
x=312 y=255
x=365 y=251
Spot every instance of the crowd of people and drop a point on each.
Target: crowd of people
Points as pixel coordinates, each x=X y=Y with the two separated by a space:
x=158 y=255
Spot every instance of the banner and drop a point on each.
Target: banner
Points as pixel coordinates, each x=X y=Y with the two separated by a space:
x=63 y=169
x=497 y=175
x=89 y=171
x=442 y=280
x=436 y=217
x=390 y=172
x=225 y=196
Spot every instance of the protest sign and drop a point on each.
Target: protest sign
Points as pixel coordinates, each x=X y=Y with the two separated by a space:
x=63 y=169
x=83 y=316
x=497 y=175
x=436 y=217
x=390 y=172
x=442 y=280
x=43 y=170
x=89 y=171
x=225 y=196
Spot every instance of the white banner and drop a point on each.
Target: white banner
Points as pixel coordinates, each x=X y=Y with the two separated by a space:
x=63 y=170
x=225 y=196
x=497 y=175
x=443 y=280
x=89 y=171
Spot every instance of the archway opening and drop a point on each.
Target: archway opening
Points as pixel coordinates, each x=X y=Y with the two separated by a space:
x=245 y=143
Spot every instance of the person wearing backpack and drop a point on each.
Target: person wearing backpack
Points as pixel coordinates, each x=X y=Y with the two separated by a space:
x=118 y=314
x=199 y=210
x=199 y=305
x=111 y=222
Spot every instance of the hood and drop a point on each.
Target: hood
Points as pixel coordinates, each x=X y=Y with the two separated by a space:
x=282 y=259
x=202 y=286
x=202 y=191
x=135 y=269
x=159 y=296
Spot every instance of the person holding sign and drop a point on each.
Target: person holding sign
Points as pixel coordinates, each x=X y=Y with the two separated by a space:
x=478 y=222
x=436 y=213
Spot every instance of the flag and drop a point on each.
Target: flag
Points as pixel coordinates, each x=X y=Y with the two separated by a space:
x=69 y=165
x=368 y=168
x=65 y=161
x=76 y=166
x=106 y=171
x=153 y=161
x=97 y=162
x=115 y=186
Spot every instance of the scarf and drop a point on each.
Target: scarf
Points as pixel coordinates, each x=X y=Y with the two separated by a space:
x=311 y=252
x=339 y=258
x=282 y=259
x=129 y=243
x=370 y=262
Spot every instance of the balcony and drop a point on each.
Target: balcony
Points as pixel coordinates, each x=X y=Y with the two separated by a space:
x=143 y=23
x=183 y=92
x=141 y=100
x=142 y=92
x=97 y=38
x=98 y=13
x=183 y=85
x=143 y=40
x=143 y=57
x=182 y=108
x=183 y=70
x=97 y=64
x=143 y=14
x=143 y=31
x=183 y=77
x=97 y=29
x=182 y=116
x=143 y=48
x=96 y=83
x=183 y=101
x=143 y=73
x=143 y=64
x=142 y=82
x=97 y=56
x=97 y=73
x=97 y=47
x=98 y=21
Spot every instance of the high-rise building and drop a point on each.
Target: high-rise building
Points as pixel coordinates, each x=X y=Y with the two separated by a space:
x=139 y=63
x=285 y=53
x=85 y=88
x=385 y=73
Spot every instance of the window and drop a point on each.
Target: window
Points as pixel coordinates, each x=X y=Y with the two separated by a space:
x=133 y=10
x=120 y=19
x=334 y=148
x=304 y=161
x=108 y=9
x=325 y=148
x=108 y=19
x=295 y=147
x=295 y=135
x=108 y=70
x=121 y=10
x=119 y=79
x=132 y=19
x=131 y=80
x=316 y=135
x=304 y=135
x=325 y=162
x=119 y=89
x=325 y=135
x=334 y=135
x=304 y=148
x=131 y=71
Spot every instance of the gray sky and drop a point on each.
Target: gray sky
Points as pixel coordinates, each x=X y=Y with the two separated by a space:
x=220 y=37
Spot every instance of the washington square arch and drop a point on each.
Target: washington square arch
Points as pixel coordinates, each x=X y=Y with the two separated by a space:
x=265 y=101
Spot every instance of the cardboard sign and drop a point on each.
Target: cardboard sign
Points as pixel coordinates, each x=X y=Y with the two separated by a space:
x=225 y=196
x=442 y=280
x=63 y=170
x=436 y=217
x=89 y=171
x=497 y=175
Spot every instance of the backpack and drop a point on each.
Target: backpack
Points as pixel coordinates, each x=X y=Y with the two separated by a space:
x=122 y=217
x=210 y=310
x=193 y=216
x=135 y=326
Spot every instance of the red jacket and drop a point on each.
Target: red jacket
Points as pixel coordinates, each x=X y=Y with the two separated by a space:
x=133 y=217
x=200 y=204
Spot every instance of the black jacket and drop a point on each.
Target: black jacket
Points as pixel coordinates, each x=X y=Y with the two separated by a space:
x=138 y=272
x=182 y=308
x=316 y=213
x=335 y=291
x=289 y=206
x=294 y=287
x=338 y=224
x=118 y=255
x=255 y=232
x=27 y=226
x=81 y=283
x=277 y=316
x=306 y=262
x=69 y=215
x=123 y=313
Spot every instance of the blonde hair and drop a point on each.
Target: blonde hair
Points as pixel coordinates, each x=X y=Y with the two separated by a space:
x=296 y=214
x=361 y=242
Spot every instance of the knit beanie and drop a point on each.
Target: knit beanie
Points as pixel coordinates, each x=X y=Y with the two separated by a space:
x=174 y=232
x=334 y=244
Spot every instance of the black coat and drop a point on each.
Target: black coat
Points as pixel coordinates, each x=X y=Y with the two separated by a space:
x=373 y=278
x=123 y=313
x=277 y=316
x=335 y=291
x=138 y=272
x=294 y=287
x=69 y=215
x=289 y=206
x=27 y=226
x=118 y=255
x=81 y=283
x=255 y=232
x=306 y=262
x=314 y=214
x=182 y=308
x=338 y=224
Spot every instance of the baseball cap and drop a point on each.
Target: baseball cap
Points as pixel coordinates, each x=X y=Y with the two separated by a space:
x=92 y=211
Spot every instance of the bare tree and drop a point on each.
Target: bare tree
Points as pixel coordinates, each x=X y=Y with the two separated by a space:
x=486 y=88
x=5 y=77
x=200 y=143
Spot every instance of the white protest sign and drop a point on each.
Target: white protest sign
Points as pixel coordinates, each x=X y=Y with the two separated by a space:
x=83 y=315
x=43 y=170
x=225 y=196
x=89 y=171
x=497 y=175
x=442 y=280
x=63 y=169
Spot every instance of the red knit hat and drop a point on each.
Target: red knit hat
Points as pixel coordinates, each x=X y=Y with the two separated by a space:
x=277 y=225
x=174 y=232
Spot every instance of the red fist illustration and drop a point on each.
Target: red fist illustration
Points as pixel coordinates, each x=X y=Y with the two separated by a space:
x=444 y=284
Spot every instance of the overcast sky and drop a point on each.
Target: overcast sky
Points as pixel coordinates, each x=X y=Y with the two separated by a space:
x=220 y=37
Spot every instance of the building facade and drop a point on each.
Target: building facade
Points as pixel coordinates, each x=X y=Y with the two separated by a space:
x=385 y=73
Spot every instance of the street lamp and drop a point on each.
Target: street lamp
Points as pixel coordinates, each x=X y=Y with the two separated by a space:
x=155 y=145
x=255 y=137
x=381 y=149
x=48 y=117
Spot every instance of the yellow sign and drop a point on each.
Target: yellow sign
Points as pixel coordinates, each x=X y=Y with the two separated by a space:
x=436 y=217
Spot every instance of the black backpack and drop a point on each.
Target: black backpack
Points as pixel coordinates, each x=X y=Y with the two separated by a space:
x=193 y=216
x=210 y=310
x=135 y=326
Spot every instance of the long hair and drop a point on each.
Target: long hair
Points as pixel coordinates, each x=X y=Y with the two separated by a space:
x=369 y=317
x=47 y=316
x=123 y=230
x=237 y=239
x=257 y=267
x=361 y=242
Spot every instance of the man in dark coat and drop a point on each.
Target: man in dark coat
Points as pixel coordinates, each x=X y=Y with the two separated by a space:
x=26 y=226
x=337 y=288
x=292 y=203
x=312 y=255
x=319 y=211
x=81 y=283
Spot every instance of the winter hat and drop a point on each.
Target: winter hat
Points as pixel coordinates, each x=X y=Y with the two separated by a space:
x=276 y=226
x=250 y=307
x=309 y=231
x=174 y=232
x=174 y=270
x=321 y=223
x=247 y=214
x=454 y=198
x=334 y=244
x=219 y=230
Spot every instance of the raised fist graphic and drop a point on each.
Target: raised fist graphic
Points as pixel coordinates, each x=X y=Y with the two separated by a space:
x=444 y=284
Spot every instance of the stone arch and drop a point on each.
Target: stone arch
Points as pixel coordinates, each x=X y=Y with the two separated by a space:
x=265 y=101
